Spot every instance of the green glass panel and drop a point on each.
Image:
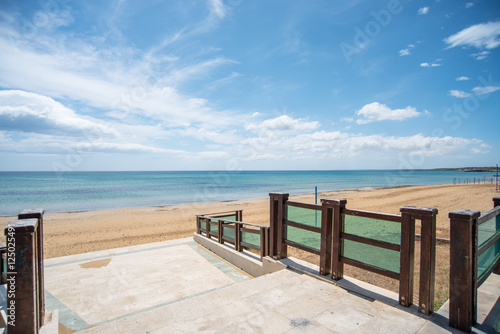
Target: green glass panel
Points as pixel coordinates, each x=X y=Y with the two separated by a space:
x=486 y=230
x=303 y=237
x=374 y=256
x=382 y=230
x=230 y=217
x=250 y=238
x=485 y=260
x=214 y=228
x=303 y=216
x=228 y=232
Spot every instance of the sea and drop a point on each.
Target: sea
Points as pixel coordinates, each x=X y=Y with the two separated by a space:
x=84 y=191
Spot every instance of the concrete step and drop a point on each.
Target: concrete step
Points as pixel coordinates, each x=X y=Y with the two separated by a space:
x=275 y=303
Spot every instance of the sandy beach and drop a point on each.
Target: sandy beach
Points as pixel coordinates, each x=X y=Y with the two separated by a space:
x=80 y=232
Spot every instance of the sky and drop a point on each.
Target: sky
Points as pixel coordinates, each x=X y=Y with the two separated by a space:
x=249 y=84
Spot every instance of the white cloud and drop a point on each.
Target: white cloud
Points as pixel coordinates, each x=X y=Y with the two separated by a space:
x=280 y=125
x=482 y=90
x=459 y=93
x=483 y=35
x=30 y=112
x=217 y=8
x=469 y=4
x=120 y=86
x=433 y=64
x=375 y=112
x=404 y=52
x=485 y=90
x=336 y=144
x=462 y=78
x=423 y=11
x=481 y=55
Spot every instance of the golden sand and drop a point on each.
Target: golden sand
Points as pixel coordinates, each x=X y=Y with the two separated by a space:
x=80 y=232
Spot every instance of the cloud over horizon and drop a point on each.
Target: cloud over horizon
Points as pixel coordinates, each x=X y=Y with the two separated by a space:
x=375 y=112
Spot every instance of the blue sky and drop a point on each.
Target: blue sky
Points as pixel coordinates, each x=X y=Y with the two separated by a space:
x=248 y=84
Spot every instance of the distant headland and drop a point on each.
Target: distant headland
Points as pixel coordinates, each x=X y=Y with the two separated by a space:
x=470 y=169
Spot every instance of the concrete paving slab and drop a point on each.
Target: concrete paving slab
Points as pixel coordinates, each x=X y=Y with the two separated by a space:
x=343 y=318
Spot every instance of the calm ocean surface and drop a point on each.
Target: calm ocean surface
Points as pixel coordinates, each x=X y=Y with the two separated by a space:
x=81 y=191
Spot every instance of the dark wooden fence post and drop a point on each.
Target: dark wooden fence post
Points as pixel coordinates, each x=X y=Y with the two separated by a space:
x=38 y=214
x=237 y=237
x=338 y=227
x=220 y=231
x=277 y=215
x=23 y=314
x=207 y=224
x=496 y=202
x=406 y=271
x=262 y=242
x=463 y=269
x=325 y=257
x=427 y=260
x=198 y=221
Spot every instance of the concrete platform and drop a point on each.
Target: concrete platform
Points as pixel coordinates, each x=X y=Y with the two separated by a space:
x=93 y=289
x=179 y=287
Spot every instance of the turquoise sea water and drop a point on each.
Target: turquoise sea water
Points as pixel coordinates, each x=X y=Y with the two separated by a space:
x=81 y=191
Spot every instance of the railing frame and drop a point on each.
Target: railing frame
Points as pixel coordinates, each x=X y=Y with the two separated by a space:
x=464 y=253
x=278 y=223
x=239 y=228
x=427 y=217
x=332 y=234
x=407 y=251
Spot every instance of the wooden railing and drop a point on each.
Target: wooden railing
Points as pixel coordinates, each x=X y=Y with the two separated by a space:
x=342 y=236
x=474 y=255
x=234 y=231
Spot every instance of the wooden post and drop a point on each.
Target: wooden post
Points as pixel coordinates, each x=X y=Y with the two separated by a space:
x=262 y=242
x=407 y=259
x=463 y=275
x=325 y=257
x=219 y=230
x=22 y=272
x=207 y=228
x=338 y=228
x=427 y=261
x=496 y=202
x=198 y=221
x=277 y=215
x=38 y=214
x=237 y=237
